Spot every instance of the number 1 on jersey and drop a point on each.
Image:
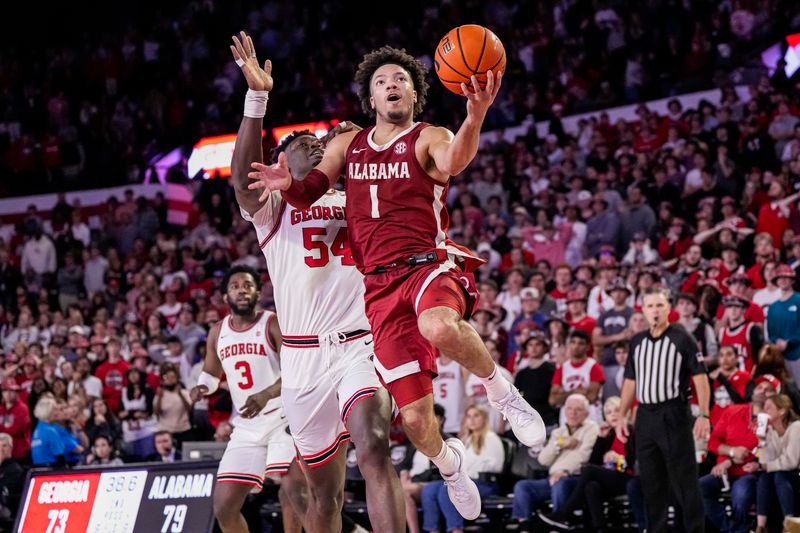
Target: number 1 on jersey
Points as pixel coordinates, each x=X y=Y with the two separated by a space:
x=373 y=196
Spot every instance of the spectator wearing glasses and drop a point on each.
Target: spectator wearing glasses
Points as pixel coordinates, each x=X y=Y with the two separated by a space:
x=606 y=476
x=567 y=451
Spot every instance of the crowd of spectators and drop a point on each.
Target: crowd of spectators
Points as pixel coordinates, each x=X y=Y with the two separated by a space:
x=82 y=109
x=103 y=319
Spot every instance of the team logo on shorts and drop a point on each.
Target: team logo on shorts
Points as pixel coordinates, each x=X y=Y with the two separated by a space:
x=400 y=148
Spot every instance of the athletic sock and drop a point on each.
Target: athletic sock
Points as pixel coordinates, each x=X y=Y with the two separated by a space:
x=496 y=385
x=446 y=460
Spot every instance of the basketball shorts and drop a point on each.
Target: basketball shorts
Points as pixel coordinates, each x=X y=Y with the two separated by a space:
x=322 y=379
x=404 y=359
x=258 y=447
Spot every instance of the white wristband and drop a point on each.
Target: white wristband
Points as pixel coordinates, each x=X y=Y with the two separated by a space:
x=209 y=381
x=255 y=103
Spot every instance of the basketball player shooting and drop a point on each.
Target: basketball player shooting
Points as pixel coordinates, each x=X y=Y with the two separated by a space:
x=418 y=289
x=330 y=390
x=245 y=346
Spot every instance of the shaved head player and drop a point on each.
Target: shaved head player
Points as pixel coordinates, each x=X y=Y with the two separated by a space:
x=418 y=289
x=330 y=391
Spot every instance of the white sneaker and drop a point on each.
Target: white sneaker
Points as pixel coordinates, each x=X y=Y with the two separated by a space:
x=462 y=490
x=525 y=421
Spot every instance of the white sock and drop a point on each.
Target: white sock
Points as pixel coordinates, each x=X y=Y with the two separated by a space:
x=446 y=460
x=496 y=385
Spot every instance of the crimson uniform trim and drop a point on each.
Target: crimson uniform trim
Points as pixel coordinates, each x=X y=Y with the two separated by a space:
x=240 y=477
x=248 y=328
x=277 y=468
x=310 y=341
x=241 y=482
x=319 y=459
x=275 y=228
x=357 y=396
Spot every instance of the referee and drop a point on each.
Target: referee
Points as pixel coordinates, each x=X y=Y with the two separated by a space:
x=660 y=362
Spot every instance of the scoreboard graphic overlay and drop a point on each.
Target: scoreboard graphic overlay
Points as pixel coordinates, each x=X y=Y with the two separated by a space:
x=158 y=498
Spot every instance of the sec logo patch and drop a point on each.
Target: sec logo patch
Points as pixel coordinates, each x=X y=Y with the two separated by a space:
x=400 y=148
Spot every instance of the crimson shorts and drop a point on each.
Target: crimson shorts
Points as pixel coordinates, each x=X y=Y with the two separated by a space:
x=393 y=301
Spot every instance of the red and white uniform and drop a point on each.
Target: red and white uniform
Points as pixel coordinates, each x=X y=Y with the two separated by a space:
x=396 y=210
x=739 y=338
x=259 y=445
x=319 y=296
x=448 y=391
x=572 y=375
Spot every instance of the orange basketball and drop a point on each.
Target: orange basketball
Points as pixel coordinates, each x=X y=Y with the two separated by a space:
x=466 y=51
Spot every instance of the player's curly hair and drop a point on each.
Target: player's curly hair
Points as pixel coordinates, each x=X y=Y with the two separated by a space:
x=388 y=55
x=284 y=144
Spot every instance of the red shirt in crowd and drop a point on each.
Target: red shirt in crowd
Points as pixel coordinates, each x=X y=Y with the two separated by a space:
x=196 y=289
x=113 y=377
x=773 y=219
x=670 y=250
x=753 y=313
x=754 y=273
x=16 y=421
x=735 y=428
x=722 y=398
x=506 y=264
x=153 y=381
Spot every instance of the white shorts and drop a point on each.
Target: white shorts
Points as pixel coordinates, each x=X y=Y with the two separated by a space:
x=257 y=450
x=322 y=379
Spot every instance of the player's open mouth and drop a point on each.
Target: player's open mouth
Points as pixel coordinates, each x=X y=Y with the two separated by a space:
x=393 y=98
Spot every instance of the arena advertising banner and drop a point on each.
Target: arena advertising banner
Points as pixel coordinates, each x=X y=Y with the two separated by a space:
x=211 y=156
x=165 y=498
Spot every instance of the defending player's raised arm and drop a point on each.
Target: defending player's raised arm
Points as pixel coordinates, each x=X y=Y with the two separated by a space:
x=303 y=193
x=208 y=382
x=451 y=154
x=248 y=141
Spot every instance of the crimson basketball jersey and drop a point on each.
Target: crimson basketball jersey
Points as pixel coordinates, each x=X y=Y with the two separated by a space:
x=394 y=208
x=739 y=338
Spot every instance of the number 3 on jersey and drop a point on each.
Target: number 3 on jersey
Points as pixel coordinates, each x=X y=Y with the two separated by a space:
x=340 y=247
x=246 y=376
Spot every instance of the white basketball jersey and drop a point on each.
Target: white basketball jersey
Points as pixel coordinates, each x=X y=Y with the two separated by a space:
x=575 y=377
x=317 y=287
x=448 y=391
x=250 y=362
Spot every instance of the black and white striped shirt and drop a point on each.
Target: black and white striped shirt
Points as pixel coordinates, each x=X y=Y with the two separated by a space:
x=663 y=365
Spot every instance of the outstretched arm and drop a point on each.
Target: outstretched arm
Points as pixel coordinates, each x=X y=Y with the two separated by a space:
x=451 y=154
x=248 y=141
x=302 y=193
